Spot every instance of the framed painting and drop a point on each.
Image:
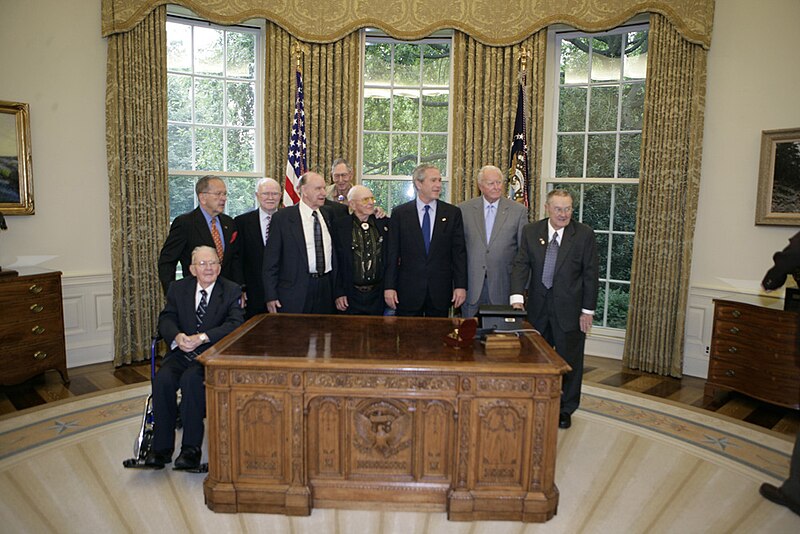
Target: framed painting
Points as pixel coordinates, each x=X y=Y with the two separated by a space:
x=16 y=178
x=778 y=200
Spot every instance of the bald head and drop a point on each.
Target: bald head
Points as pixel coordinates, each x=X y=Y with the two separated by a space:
x=312 y=190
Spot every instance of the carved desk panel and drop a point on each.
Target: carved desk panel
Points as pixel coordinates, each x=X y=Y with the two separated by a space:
x=356 y=412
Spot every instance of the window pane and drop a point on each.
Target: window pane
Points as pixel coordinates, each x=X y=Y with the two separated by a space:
x=179 y=98
x=377 y=63
x=376 y=154
x=617 y=313
x=405 y=111
x=240 y=195
x=597 y=205
x=404 y=153
x=575 y=60
x=599 y=311
x=602 y=252
x=630 y=146
x=572 y=109
x=390 y=193
x=603 y=109
x=636 y=56
x=434 y=111
x=600 y=156
x=179 y=147
x=436 y=64
x=632 y=106
x=208 y=149
x=179 y=46
x=434 y=151
x=376 y=109
x=241 y=150
x=181 y=195
x=241 y=55
x=207 y=51
x=606 y=58
x=208 y=101
x=625 y=207
x=406 y=64
x=621 y=256
x=569 y=156
x=241 y=104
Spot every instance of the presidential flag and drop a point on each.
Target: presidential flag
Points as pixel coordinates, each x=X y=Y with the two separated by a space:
x=296 y=163
x=518 y=184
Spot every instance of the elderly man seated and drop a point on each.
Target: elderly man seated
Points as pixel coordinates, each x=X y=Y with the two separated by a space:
x=200 y=310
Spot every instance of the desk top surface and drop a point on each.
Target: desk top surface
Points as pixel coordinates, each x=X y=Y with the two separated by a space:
x=338 y=340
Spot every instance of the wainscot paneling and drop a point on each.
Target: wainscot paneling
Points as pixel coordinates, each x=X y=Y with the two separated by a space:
x=88 y=321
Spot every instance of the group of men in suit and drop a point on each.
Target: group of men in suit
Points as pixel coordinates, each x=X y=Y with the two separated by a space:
x=318 y=257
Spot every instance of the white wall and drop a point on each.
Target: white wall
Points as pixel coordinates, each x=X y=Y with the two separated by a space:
x=54 y=59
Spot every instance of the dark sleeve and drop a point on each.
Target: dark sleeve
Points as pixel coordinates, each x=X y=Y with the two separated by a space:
x=591 y=271
x=233 y=317
x=272 y=256
x=172 y=250
x=459 y=252
x=337 y=228
x=168 y=324
x=521 y=270
x=787 y=261
x=237 y=249
x=393 y=253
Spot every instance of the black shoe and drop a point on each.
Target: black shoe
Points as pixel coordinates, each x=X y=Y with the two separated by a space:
x=188 y=459
x=776 y=495
x=157 y=459
x=564 y=420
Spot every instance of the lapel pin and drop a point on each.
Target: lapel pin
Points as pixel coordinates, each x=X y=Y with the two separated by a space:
x=444 y=219
x=541 y=241
x=365 y=226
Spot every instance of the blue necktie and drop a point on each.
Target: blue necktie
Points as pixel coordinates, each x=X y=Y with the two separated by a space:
x=550 y=257
x=426 y=229
x=201 y=308
x=489 y=222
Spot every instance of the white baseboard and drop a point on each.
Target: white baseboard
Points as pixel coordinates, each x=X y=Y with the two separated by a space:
x=88 y=319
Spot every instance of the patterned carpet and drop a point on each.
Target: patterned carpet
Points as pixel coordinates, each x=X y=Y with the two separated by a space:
x=628 y=464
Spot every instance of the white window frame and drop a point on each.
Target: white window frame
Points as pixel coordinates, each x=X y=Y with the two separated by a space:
x=550 y=145
x=441 y=37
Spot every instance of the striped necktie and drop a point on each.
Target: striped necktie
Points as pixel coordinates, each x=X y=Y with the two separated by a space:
x=217 y=240
x=550 y=257
x=201 y=308
x=319 y=250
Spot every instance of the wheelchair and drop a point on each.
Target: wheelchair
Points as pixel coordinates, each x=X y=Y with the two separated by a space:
x=143 y=442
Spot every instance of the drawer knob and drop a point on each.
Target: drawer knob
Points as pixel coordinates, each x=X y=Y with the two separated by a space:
x=734 y=330
x=730 y=372
x=39 y=355
x=736 y=313
x=35 y=289
x=38 y=330
x=36 y=308
x=733 y=350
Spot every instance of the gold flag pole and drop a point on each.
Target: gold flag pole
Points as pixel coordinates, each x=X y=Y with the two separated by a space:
x=523 y=57
x=298 y=49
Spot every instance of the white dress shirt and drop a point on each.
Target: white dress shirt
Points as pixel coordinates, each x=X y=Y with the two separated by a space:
x=308 y=233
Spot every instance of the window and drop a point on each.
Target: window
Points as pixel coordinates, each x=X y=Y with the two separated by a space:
x=406 y=113
x=214 y=121
x=596 y=149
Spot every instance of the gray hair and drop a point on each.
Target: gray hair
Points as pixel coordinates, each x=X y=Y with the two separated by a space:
x=339 y=161
x=202 y=183
x=485 y=168
x=202 y=248
x=419 y=171
x=263 y=181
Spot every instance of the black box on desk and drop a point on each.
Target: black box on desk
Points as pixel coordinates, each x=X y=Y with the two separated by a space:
x=496 y=317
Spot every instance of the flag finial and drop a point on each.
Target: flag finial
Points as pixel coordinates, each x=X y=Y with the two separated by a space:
x=523 y=57
x=298 y=49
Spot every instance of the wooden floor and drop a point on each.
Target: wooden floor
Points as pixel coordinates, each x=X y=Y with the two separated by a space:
x=688 y=390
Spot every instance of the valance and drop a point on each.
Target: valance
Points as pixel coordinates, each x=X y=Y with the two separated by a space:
x=488 y=21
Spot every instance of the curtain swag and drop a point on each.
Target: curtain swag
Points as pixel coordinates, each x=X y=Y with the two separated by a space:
x=414 y=19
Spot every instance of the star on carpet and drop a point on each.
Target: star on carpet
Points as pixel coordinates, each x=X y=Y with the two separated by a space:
x=722 y=442
x=62 y=427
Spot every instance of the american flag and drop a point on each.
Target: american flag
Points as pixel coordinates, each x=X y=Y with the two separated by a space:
x=296 y=163
x=518 y=184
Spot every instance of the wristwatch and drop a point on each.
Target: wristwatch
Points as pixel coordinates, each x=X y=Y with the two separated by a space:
x=204 y=338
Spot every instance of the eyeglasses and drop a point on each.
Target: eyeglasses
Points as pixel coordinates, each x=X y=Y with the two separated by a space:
x=269 y=194
x=215 y=193
x=211 y=263
x=366 y=200
x=341 y=174
x=561 y=211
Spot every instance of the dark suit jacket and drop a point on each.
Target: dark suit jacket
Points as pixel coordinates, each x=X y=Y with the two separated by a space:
x=251 y=259
x=342 y=233
x=223 y=314
x=413 y=274
x=787 y=261
x=575 y=280
x=334 y=209
x=286 y=260
x=188 y=231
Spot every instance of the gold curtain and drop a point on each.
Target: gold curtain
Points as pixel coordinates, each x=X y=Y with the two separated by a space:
x=672 y=136
x=331 y=83
x=498 y=24
x=485 y=90
x=136 y=147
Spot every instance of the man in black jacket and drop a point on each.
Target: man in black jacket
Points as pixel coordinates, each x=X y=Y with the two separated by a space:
x=200 y=310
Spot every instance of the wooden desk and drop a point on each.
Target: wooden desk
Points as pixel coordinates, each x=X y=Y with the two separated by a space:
x=361 y=412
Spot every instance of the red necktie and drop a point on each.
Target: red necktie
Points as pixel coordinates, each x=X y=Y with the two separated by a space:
x=217 y=240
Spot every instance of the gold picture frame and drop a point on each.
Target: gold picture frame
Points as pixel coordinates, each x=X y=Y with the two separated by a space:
x=778 y=201
x=16 y=177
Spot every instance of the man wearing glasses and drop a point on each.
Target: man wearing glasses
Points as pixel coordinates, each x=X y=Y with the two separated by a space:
x=341 y=181
x=557 y=262
x=360 y=242
x=254 y=227
x=205 y=225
